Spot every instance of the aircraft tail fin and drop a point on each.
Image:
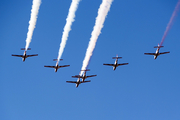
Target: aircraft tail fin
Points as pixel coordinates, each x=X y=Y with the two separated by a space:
x=25 y=49
x=158 y=46
x=116 y=57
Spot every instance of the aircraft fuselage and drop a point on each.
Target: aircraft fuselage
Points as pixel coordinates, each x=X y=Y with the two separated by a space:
x=78 y=82
x=115 y=64
x=57 y=67
x=84 y=77
x=24 y=56
x=156 y=54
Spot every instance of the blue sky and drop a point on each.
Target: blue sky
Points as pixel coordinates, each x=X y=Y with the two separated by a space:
x=146 y=89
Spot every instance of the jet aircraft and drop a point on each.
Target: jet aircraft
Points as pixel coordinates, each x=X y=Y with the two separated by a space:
x=24 y=56
x=83 y=77
x=57 y=66
x=78 y=82
x=157 y=53
x=115 y=65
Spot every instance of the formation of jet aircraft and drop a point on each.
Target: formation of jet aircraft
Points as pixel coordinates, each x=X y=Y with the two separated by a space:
x=57 y=65
x=78 y=82
x=84 y=76
x=24 y=56
x=115 y=65
x=157 y=53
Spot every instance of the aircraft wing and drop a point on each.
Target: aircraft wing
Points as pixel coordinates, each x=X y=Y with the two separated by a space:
x=64 y=66
x=149 y=53
x=32 y=55
x=91 y=76
x=77 y=76
x=123 y=64
x=109 y=64
x=50 y=66
x=17 y=55
x=85 y=81
x=71 y=81
x=164 y=53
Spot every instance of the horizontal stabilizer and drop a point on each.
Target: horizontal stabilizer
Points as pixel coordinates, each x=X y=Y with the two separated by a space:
x=25 y=49
x=116 y=57
x=86 y=70
x=77 y=76
x=57 y=59
x=158 y=46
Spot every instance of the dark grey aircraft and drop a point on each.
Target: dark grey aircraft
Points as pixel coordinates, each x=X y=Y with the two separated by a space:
x=24 y=56
x=83 y=77
x=157 y=53
x=57 y=66
x=78 y=82
x=115 y=65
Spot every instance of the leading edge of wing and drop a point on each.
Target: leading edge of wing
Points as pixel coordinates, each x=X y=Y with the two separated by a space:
x=71 y=81
x=91 y=76
x=85 y=81
x=50 y=66
x=123 y=64
x=164 y=52
x=149 y=53
x=17 y=55
x=32 y=55
x=109 y=64
x=64 y=66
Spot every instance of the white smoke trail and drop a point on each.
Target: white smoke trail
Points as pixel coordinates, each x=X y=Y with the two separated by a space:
x=32 y=22
x=102 y=13
x=67 y=27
